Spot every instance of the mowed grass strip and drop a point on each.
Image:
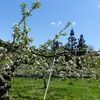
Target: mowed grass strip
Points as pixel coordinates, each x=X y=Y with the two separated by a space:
x=69 y=89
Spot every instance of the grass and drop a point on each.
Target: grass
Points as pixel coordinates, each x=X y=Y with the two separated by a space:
x=69 y=89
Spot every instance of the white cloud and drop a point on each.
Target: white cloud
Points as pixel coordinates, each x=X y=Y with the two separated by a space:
x=59 y=22
x=73 y=23
x=53 y=23
x=56 y=23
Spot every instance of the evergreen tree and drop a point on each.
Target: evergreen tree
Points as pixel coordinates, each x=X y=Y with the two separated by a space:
x=72 y=44
x=81 y=46
x=81 y=51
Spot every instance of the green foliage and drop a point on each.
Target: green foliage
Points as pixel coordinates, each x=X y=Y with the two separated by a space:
x=36 y=4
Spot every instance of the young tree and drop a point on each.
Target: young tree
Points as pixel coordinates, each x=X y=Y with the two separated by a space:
x=15 y=53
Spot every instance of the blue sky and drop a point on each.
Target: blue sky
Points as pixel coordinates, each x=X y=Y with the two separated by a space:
x=52 y=16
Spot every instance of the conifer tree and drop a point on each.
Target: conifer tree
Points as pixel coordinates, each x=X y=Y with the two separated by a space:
x=81 y=46
x=72 y=43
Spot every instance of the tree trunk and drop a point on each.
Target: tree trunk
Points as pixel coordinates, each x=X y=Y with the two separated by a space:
x=4 y=87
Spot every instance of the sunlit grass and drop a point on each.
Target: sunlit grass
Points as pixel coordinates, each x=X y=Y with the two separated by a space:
x=69 y=89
